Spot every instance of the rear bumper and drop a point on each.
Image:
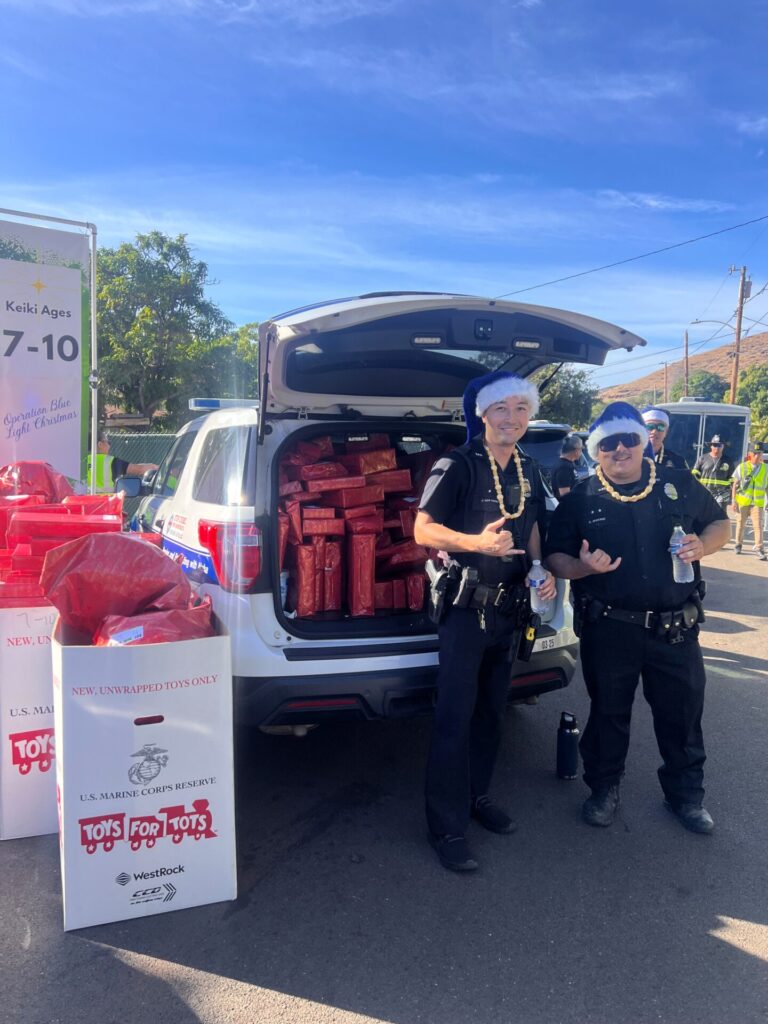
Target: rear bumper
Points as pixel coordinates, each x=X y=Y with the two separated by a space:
x=373 y=695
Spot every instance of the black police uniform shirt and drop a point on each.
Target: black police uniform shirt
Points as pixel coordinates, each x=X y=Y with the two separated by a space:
x=638 y=531
x=119 y=468
x=670 y=459
x=718 y=468
x=459 y=493
x=564 y=475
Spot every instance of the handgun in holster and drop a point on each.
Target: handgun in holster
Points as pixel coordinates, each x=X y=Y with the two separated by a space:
x=468 y=582
x=528 y=637
x=439 y=577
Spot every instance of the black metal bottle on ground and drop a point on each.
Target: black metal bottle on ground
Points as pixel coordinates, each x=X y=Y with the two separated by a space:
x=568 y=746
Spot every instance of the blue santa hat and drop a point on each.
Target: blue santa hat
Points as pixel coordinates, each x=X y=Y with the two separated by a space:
x=482 y=392
x=616 y=418
x=653 y=414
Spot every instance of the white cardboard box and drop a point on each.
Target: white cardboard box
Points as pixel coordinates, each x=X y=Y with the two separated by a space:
x=27 y=778
x=145 y=777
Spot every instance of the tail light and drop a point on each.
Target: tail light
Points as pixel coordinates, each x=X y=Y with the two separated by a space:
x=236 y=553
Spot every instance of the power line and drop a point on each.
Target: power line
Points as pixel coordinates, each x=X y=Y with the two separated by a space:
x=632 y=259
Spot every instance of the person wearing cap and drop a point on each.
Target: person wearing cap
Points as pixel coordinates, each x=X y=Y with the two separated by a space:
x=611 y=537
x=564 y=473
x=748 y=497
x=657 y=424
x=714 y=470
x=482 y=504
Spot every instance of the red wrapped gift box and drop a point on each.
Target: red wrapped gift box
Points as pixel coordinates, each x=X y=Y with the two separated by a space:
x=332 y=584
x=283 y=528
x=360 y=573
x=290 y=488
x=398 y=594
x=317 y=512
x=370 y=462
x=403 y=503
x=323 y=527
x=94 y=504
x=11 y=503
x=365 y=524
x=293 y=511
x=318 y=448
x=415 y=586
x=371 y=443
x=304 y=580
x=334 y=483
x=295 y=459
x=353 y=496
x=319 y=545
x=358 y=511
x=391 y=480
x=44 y=531
x=383 y=596
x=303 y=497
x=404 y=555
x=318 y=471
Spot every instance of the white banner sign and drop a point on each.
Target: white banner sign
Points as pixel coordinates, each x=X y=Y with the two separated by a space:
x=43 y=276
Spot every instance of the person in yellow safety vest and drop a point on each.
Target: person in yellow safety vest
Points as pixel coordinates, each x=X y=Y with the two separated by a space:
x=749 y=486
x=109 y=468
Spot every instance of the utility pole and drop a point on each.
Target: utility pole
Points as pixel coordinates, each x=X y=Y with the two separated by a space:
x=685 y=363
x=666 y=388
x=744 y=290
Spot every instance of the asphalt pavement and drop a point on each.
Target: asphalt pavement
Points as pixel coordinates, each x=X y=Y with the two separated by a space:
x=345 y=916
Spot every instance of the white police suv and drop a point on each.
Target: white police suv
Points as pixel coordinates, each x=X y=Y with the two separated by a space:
x=316 y=630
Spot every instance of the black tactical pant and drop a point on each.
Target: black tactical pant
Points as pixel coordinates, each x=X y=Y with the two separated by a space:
x=472 y=685
x=614 y=656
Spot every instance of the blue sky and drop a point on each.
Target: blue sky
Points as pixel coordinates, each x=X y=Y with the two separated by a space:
x=318 y=148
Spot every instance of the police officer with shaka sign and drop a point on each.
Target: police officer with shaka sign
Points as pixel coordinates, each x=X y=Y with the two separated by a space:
x=611 y=536
x=481 y=504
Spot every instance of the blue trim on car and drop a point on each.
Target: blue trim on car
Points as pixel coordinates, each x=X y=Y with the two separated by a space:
x=198 y=565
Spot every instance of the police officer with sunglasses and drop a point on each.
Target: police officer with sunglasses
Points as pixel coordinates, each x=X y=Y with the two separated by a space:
x=657 y=424
x=611 y=537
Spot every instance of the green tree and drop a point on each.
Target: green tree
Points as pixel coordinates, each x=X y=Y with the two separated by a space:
x=753 y=390
x=701 y=384
x=156 y=327
x=568 y=397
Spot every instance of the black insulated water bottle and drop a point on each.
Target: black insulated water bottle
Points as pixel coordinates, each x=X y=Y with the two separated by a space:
x=568 y=746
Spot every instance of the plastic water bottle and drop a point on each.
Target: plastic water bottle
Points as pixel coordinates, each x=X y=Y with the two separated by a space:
x=568 y=746
x=682 y=571
x=536 y=576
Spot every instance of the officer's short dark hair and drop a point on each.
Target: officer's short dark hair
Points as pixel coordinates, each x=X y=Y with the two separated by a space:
x=571 y=443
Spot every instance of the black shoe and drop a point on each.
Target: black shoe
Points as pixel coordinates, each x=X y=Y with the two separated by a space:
x=453 y=852
x=600 y=809
x=737 y=549
x=693 y=816
x=762 y=556
x=491 y=817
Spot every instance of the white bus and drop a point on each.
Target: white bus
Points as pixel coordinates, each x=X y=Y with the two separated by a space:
x=693 y=423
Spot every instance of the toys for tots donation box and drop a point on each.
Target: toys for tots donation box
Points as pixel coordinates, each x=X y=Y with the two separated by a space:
x=145 y=777
x=27 y=776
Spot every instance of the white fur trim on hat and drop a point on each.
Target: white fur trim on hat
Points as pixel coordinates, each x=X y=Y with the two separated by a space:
x=655 y=416
x=606 y=429
x=508 y=388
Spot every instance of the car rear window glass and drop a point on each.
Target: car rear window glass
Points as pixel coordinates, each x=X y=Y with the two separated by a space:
x=221 y=476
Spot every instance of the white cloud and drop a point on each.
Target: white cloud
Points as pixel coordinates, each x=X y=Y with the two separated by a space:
x=662 y=203
x=23 y=66
x=756 y=127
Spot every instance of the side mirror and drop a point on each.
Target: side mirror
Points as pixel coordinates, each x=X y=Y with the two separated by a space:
x=131 y=486
x=149 y=478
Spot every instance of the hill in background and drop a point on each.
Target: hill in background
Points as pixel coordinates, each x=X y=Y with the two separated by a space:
x=753 y=350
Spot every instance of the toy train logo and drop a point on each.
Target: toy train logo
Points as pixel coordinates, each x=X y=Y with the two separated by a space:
x=104 y=831
x=153 y=760
x=32 y=748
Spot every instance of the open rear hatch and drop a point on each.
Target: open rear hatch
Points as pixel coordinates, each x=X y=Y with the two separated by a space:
x=411 y=355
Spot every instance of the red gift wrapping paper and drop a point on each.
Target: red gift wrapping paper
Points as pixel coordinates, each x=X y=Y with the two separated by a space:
x=318 y=544
x=333 y=577
x=305 y=580
x=323 y=527
x=398 y=593
x=334 y=484
x=370 y=462
x=321 y=471
x=353 y=496
x=366 y=524
x=293 y=511
x=383 y=596
x=318 y=448
x=415 y=590
x=358 y=511
x=283 y=527
x=317 y=512
x=290 y=488
x=403 y=555
x=360 y=573
x=391 y=480
x=373 y=442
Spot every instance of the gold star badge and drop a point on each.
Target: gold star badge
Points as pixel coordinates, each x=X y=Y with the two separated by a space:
x=38 y=285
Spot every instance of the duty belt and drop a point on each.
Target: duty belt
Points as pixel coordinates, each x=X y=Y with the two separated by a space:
x=669 y=624
x=485 y=596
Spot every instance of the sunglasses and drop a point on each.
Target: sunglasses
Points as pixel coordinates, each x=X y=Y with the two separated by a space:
x=660 y=427
x=715 y=444
x=610 y=444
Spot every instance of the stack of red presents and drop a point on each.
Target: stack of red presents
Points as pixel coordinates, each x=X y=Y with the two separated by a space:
x=39 y=512
x=350 y=515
